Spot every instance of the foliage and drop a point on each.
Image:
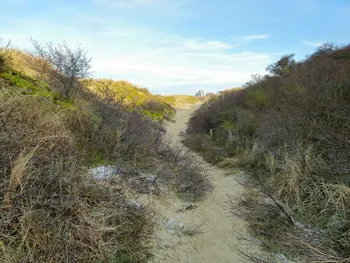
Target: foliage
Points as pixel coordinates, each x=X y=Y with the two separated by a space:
x=283 y=66
x=290 y=130
x=133 y=97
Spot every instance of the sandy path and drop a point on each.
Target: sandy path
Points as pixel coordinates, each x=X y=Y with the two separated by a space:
x=218 y=241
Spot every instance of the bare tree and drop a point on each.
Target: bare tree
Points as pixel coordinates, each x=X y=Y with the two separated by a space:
x=64 y=67
x=257 y=80
x=326 y=49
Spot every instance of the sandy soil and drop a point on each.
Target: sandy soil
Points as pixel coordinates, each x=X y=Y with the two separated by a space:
x=217 y=240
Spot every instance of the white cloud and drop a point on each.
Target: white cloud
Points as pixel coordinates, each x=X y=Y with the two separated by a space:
x=312 y=43
x=252 y=37
x=206 y=46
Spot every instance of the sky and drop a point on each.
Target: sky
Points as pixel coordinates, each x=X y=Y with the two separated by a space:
x=179 y=46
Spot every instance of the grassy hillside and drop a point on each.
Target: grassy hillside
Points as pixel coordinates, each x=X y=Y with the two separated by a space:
x=157 y=107
x=53 y=127
x=290 y=130
x=133 y=97
x=181 y=101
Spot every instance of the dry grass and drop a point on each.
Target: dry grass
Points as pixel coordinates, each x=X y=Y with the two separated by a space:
x=18 y=171
x=243 y=156
x=194 y=230
x=50 y=210
x=323 y=209
x=281 y=238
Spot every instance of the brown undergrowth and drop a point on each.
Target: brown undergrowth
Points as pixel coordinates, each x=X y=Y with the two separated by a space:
x=289 y=131
x=51 y=211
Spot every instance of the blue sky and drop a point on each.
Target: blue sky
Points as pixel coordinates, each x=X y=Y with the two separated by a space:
x=179 y=46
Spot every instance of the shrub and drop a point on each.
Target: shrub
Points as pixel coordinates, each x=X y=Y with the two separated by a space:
x=290 y=130
x=50 y=210
x=62 y=66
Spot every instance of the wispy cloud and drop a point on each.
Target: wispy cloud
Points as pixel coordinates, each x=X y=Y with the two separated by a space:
x=200 y=45
x=166 y=60
x=312 y=43
x=252 y=37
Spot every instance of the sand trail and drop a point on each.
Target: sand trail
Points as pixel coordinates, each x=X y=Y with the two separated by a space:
x=217 y=240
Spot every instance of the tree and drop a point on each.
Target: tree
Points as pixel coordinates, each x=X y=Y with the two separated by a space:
x=62 y=66
x=283 y=66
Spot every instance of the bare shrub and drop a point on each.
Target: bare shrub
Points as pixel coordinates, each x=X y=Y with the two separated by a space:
x=61 y=65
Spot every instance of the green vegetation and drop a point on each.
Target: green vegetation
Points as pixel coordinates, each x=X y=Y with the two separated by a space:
x=290 y=131
x=53 y=127
x=180 y=101
x=26 y=84
x=156 y=107
x=133 y=97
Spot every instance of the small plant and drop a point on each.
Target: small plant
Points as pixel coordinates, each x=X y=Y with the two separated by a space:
x=195 y=230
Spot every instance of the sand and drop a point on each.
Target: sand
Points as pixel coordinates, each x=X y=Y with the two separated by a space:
x=217 y=240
